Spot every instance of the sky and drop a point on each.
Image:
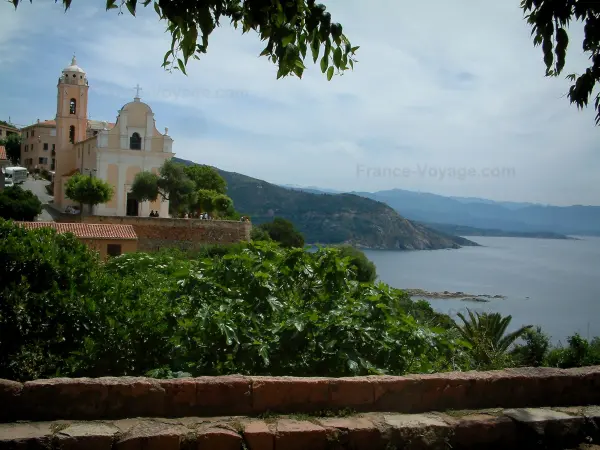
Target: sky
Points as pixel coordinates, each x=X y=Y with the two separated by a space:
x=447 y=97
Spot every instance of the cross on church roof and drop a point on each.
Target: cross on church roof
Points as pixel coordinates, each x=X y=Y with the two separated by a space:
x=137 y=90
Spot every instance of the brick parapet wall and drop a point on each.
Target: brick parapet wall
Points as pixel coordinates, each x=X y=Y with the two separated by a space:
x=116 y=398
x=155 y=233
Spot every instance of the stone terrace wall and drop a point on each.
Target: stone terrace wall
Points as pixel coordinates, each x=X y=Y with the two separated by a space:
x=155 y=233
x=116 y=398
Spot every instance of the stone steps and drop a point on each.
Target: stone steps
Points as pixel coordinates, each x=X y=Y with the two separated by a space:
x=527 y=428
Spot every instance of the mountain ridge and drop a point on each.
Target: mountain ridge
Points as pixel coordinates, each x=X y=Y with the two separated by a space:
x=491 y=215
x=333 y=218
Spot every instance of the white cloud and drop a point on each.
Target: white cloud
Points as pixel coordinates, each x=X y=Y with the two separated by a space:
x=455 y=85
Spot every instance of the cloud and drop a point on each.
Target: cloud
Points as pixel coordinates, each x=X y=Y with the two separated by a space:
x=458 y=85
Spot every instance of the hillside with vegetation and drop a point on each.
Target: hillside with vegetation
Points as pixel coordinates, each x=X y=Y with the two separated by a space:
x=333 y=218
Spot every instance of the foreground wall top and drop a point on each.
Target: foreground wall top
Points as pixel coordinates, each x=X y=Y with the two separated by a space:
x=115 y=398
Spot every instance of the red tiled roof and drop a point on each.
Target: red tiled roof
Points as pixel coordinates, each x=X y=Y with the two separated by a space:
x=2 y=152
x=87 y=230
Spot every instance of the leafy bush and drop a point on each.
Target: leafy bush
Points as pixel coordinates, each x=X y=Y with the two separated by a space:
x=366 y=270
x=45 y=309
x=259 y=234
x=19 y=204
x=256 y=309
x=579 y=352
x=284 y=232
x=534 y=351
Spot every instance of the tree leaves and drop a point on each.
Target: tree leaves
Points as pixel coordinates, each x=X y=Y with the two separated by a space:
x=300 y=23
x=88 y=190
x=548 y=20
x=329 y=73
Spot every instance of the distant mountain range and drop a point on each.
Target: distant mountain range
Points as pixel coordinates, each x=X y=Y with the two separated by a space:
x=499 y=218
x=507 y=216
x=461 y=230
x=325 y=218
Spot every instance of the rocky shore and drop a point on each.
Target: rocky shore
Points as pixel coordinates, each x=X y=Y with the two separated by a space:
x=421 y=293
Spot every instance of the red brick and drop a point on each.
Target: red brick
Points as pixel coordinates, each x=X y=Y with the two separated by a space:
x=398 y=394
x=219 y=439
x=258 y=436
x=180 y=396
x=228 y=395
x=356 y=393
x=64 y=398
x=134 y=396
x=289 y=394
x=300 y=435
x=356 y=433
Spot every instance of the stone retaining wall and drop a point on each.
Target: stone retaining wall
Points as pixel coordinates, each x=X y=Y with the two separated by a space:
x=117 y=398
x=156 y=233
x=516 y=429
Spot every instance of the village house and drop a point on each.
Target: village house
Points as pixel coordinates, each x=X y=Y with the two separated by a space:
x=106 y=239
x=6 y=129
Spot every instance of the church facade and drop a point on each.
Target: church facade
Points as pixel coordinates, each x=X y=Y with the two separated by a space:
x=113 y=152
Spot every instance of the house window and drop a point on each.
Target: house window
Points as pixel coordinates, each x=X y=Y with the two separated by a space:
x=32 y=132
x=27 y=134
x=113 y=249
x=40 y=160
x=45 y=146
x=72 y=106
x=26 y=148
x=32 y=147
x=72 y=134
x=53 y=147
x=135 y=142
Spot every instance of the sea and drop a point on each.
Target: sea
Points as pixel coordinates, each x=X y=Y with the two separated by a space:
x=550 y=283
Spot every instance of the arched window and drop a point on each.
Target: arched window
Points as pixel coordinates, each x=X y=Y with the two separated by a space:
x=135 y=142
x=72 y=134
x=73 y=106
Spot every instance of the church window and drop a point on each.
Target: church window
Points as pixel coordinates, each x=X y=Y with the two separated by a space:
x=72 y=134
x=73 y=106
x=135 y=142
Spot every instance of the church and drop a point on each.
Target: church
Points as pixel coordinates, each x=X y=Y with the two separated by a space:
x=114 y=152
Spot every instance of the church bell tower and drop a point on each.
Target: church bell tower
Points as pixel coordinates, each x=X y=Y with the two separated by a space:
x=71 y=121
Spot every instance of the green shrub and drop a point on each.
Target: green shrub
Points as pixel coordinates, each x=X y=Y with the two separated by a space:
x=259 y=234
x=578 y=353
x=255 y=308
x=366 y=270
x=45 y=308
x=284 y=232
x=534 y=351
x=19 y=204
